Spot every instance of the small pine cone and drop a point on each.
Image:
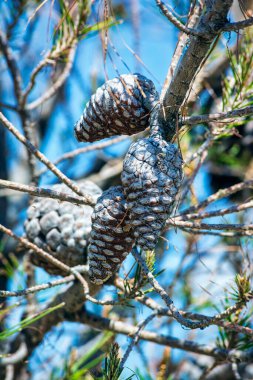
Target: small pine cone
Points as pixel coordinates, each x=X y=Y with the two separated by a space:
x=60 y=228
x=151 y=177
x=111 y=239
x=120 y=107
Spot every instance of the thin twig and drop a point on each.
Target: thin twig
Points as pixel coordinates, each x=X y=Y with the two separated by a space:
x=26 y=243
x=220 y=212
x=13 y=67
x=85 y=149
x=58 y=84
x=45 y=193
x=222 y=193
x=202 y=119
x=37 y=288
x=169 y=15
x=141 y=325
x=211 y=226
x=119 y=327
x=174 y=312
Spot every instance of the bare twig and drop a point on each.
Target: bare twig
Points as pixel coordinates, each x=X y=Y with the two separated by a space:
x=202 y=119
x=17 y=82
x=205 y=226
x=122 y=328
x=45 y=193
x=174 y=312
x=7 y=124
x=13 y=67
x=182 y=40
x=136 y=338
x=220 y=212
x=222 y=193
x=37 y=288
x=86 y=149
x=34 y=248
x=169 y=15
x=58 y=84
x=16 y=357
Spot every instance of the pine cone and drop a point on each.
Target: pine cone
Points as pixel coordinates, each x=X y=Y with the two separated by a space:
x=151 y=177
x=120 y=107
x=60 y=228
x=111 y=239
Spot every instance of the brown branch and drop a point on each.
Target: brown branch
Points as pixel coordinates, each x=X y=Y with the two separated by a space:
x=17 y=82
x=13 y=67
x=222 y=193
x=220 y=212
x=202 y=119
x=236 y=26
x=57 y=84
x=210 y=22
x=169 y=15
x=205 y=226
x=85 y=149
x=41 y=157
x=166 y=298
x=182 y=40
x=106 y=324
x=45 y=193
x=27 y=244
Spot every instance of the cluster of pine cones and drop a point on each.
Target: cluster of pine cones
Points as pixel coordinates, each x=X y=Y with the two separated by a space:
x=134 y=213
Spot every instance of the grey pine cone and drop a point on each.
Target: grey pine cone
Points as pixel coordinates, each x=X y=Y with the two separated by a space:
x=111 y=238
x=120 y=107
x=60 y=228
x=151 y=177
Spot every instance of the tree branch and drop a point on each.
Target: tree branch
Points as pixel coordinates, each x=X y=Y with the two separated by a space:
x=202 y=119
x=236 y=26
x=41 y=157
x=211 y=22
x=46 y=193
x=169 y=15
x=58 y=83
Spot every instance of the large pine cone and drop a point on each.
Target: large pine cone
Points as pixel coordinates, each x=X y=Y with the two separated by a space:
x=111 y=238
x=151 y=177
x=120 y=107
x=60 y=228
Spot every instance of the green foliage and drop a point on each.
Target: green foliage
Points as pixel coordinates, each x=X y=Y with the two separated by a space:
x=27 y=322
x=241 y=293
x=9 y=265
x=80 y=369
x=135 y=287
x=238 y=84
x=112 y=370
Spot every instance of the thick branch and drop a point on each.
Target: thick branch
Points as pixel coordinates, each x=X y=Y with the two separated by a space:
x=235 y=26
x=122 y=328
x=210 y=23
